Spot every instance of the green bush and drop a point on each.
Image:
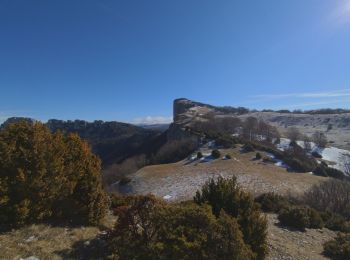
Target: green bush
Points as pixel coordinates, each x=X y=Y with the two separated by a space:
x=339 y=248
x=225 y=141
x=47 y=176
x=199 y=155
x=225 y=194
x=325 y=171
x=258 y=156
x=216 y=154
x=272 y=202
x=300 y=218
x=228 y=156
x=247 y=148
x=315 y=219
x=150 y=229
x=316 y=155
x=335 y=222
x=294 y=217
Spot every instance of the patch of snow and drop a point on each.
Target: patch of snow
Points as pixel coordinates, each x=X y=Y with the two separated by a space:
x=331 y=154
x=167 y=197
x=278 y=162
x=30 y=239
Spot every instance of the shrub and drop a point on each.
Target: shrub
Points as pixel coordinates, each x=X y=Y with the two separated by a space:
x=225 y=194
x=300 y=218
x=118 y=200
x=300 y=163
x=315 y=219
x=272 y=202
x=151 y=229
x=335 y=222
x=258 y=156
x=216 y=154
x=225 y=141
x=45 y=176
x=316 y=155
x=339 y=248
x=294 y=217
x=247 y=148
x=199 y=155
x=228 y=156
x=325 y=171
x=332 y=196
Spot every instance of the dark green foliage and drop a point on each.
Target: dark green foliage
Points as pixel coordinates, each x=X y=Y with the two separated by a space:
x=150 y=229
x=325 y=171
x=228 y=156
x=258 y=156
x=272 y=202
x=339 y=248
x=225 y=194
x=300 y=218
x=335 y=222
x=48 y=176
x=293 y=143
x=216 y=154
x=294 y=218
x=247 y=148
x=315 y=219
x=225 y=141
x=199 y=155
x=296 y=158
x=316 y=155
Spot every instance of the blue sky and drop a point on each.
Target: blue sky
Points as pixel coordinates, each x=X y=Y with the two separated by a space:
x=127 y=60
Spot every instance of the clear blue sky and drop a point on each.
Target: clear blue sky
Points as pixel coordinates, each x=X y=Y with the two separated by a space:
x=121 y=60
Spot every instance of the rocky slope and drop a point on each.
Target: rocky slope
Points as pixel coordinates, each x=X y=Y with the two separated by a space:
x=335 y=125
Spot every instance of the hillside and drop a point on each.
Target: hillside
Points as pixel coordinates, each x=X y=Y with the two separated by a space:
x=112 y=141
x=334 y=123
x=179 y=181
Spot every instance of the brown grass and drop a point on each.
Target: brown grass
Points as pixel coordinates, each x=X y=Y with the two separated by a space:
x=183 y=178
x=48 y=242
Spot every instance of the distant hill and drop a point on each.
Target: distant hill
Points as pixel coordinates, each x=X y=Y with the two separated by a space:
x=335 y=123
x=112 y=141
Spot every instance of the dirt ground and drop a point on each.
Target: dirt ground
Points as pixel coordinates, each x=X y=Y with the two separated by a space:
x=295 y=245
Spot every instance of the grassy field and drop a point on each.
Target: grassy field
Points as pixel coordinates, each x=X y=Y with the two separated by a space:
x=181 y=180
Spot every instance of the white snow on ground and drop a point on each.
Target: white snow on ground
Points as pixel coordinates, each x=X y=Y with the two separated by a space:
x=278 y=162
x=167 y=197
x=331 y=154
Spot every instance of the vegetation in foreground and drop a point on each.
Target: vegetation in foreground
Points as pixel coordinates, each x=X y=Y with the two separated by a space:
x=44 y=176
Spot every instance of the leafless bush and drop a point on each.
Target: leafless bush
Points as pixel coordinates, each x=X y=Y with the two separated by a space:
x=332 y=196
x=293 y=134
x=307 y=143
x=346 y=164
x=319 y=139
